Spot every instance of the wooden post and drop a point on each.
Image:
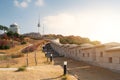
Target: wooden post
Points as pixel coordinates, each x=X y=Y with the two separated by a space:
x=47 y=56
x=35 y=59
x=27 y=59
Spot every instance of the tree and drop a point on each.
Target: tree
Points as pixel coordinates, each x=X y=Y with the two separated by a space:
x=4 y=28
x=96 y=42
x=10 y=34
x=21 y=38
x=16 y=35
x=1 y=27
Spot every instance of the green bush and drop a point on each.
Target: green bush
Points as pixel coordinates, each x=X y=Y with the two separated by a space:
x=5 y=47
x=23 y=42
x=1 y=47
x=23 y=68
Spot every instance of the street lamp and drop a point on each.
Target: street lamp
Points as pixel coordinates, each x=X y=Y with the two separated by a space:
x=51 y=57
x=65 y=68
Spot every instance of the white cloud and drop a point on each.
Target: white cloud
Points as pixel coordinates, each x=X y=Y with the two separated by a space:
x=25 y=3
x=16 y=3
x=39 y=2
x=22 y=4
x=63 y=23
x=96 y=24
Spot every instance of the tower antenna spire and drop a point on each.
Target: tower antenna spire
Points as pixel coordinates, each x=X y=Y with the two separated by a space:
x=38 y=24
x=43 y=29
x=39 y=21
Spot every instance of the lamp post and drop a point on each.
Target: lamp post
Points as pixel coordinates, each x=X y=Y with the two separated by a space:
x=51 y=57
x=65 y=68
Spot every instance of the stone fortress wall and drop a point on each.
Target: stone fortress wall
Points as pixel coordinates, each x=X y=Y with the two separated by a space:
x=104 y=55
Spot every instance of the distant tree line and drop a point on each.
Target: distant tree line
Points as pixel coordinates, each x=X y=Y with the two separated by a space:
x=72 y=39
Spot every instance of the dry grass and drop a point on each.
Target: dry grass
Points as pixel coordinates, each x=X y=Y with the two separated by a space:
x=9 y=54
x=20 y=61
x=43 y=71
x=17 y=59
x=14 y=49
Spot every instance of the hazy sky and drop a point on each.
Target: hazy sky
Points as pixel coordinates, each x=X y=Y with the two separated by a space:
x=95 y=19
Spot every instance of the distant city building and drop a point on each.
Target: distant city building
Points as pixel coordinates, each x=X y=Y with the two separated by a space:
x=14 y=28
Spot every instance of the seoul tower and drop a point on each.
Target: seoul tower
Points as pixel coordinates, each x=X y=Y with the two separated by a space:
x=38 y=26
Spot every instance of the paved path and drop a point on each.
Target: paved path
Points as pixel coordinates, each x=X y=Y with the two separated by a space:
x=84 y=71
x=8 y=69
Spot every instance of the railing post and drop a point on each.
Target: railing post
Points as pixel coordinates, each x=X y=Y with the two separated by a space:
x=35 y=59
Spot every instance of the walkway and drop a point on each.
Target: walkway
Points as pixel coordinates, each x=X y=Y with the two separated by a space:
x=84 y=71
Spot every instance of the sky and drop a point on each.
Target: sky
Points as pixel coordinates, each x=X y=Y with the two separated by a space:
x=95 y=19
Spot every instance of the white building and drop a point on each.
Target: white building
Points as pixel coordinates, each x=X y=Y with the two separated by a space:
x=14 y=28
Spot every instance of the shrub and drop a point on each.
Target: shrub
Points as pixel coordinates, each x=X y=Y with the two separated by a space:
x=6 y=47
x=4 y=44
x=23 y=42
x=17 y=55
x=30 y=49
x=23 y=68
x=1 y=47
x=4 y=57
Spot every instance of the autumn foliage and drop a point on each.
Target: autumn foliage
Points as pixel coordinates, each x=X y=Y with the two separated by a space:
x=31 y=48
x=71 y=39
x=4 y=44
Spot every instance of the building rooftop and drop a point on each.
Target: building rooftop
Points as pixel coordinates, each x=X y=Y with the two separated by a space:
x=87 y=45
x=113 y=48
x=14 y=24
